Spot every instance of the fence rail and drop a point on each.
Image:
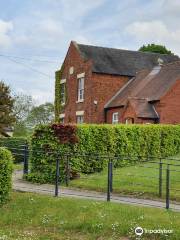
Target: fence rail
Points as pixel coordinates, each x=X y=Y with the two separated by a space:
x=160 y=178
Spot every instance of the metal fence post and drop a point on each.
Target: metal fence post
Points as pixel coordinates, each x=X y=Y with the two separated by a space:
x=167 y=186
x=160 y=177
x=57 y=178
x=25 y=168
x=67 y=171
x=111 y=177
x=109 y=183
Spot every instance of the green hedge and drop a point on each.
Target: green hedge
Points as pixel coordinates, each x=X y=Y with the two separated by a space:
x=6 y=166
x=15 y=145
x=97 y=140
x=43 y=164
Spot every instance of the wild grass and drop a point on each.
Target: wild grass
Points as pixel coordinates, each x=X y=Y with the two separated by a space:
x=30 y=216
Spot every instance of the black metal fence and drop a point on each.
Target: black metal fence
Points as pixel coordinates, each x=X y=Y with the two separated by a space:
x=160 y=177
x=163 y=169
x=23 y=151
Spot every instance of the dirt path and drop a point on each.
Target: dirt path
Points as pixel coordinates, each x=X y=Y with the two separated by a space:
x=21 y=185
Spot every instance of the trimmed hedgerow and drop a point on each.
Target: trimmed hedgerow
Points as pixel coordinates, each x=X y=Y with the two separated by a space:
x=15 y=145
x=47 y=144
x=6 y=167
x=121 y=141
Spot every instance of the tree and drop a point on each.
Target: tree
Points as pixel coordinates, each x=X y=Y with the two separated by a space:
x=22 y=106
x=7 y=117
x=155 y=49
x=42 y=114
x=21 y=130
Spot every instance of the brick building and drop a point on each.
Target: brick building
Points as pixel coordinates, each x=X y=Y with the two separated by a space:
x=94 y=78
x=153 y=96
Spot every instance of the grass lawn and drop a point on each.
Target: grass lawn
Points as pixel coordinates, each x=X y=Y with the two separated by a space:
x=141 y=180
x=30 y=216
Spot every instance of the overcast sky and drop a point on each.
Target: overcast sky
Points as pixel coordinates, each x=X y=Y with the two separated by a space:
x=35 y=34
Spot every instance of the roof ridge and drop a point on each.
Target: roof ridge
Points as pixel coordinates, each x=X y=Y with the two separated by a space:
x=119 y=61
x=126 y=50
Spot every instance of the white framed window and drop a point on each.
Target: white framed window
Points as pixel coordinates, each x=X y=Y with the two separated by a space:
x=80 y=116
x=63 y=93
x=81 y=89
x=115 y=117
x=80 y=119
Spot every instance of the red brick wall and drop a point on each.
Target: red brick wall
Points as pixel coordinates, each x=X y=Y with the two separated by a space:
x=98 y=87
x=169 y=106
x=124 y=113
x=168 y=109
x=129 y=113
x=110 y=113
x=74 y=59
x=104 y=87
x=101 y=87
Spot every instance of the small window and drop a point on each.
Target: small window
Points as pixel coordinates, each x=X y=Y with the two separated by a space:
x=80 y=89
x=129 y=120
x=63 y=91
x=115 y=118
x=80 y=119
x=71 y=70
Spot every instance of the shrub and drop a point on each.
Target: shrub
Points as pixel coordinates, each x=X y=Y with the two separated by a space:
x=47 y=144
x=65 y=133
x=15 y=145
x=135 y=141
x=6 y=166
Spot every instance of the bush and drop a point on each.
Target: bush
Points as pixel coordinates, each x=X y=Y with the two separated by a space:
x=6 y=167
x=15 y=145
x=135 y=141
x=45 y=148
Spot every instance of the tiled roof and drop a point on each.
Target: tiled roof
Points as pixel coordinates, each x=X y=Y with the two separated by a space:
x=143 y=108
x=150 y=85
x=121 y=62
